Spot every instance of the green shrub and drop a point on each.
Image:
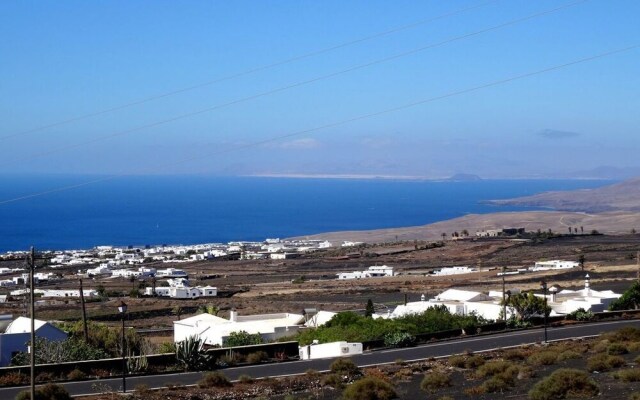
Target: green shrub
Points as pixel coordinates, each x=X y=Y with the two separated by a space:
x=568 y=355
x=496 y=384
x=245 y=379
x=399 y=339
x=580 y=315
x=616 y=349
x=76 y=375
x=49 y=391
x=257 y=357
x=457 y=361
x=547 y=357
x=628 y=375
x=333 y=380
x=492 y=368
x=434 y=381
x=214 y=379
x=515 y=354
x=344 y=367
x=474 y=361
x=604 y=362
x=564 y=383
x=369 y=388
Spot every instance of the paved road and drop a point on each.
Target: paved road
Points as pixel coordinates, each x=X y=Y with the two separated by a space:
x=439 y=349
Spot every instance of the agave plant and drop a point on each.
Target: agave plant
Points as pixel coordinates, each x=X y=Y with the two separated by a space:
x=190 y=355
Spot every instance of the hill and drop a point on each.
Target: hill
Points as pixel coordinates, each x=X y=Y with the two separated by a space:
x=623 y=196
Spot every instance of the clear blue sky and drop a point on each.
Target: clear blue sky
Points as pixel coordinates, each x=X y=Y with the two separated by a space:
x=62 y=59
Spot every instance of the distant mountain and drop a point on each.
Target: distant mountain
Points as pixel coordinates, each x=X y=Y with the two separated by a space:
x=623 y=196
x=606 y=172
x=465 y=178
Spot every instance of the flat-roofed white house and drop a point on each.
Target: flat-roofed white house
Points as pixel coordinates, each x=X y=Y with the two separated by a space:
x=375 y=271
x=18 y=334
x=214 y=330
x=183 y=292
x=567 y=301
x=554 y=264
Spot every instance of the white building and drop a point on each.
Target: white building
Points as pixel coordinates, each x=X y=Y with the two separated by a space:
x=103 y=269
x=183 y=292
x=88 y=293
x=320 y=318
x=568 y=301
x=171 y=273
x=376 y=271
x=329 y=350
x=454 y=271
x=17 y=335
x=215 y=330
x=554 y=264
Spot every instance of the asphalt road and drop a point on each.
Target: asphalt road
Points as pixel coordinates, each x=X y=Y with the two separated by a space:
x=439 y=349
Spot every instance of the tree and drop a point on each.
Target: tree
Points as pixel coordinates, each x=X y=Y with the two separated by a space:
x=527 y=305
x=581 y=261
x=369 y=309
x=630 y=299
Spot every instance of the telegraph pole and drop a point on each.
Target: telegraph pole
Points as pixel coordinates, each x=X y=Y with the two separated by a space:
x=84 y=314
x=31 y=261
x=504 y=295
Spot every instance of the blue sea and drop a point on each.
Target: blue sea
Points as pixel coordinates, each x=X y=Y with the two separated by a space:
x=195 y=209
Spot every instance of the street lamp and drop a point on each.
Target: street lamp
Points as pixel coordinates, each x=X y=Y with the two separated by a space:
x=122 y=308
x=544 y=312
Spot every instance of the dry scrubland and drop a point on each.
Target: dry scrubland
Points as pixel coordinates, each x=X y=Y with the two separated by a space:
x=604 y=367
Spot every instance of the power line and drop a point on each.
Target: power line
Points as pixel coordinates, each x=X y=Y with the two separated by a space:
x=337 y=123
x=291 y=86
x=249 y=71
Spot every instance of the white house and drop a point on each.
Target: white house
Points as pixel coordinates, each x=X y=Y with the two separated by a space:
x=329 y=350
x=88 y=293
x=17 y=335
x=554 y=264
x=171 y=273
x=454 y=271
x=320 y=318
x=183 y=292
x=568 y=301
x=215 y=330
x=375 y=271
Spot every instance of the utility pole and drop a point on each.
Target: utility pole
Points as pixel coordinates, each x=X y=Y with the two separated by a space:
x=31 y=262
x=504 y=295
x=84 y=314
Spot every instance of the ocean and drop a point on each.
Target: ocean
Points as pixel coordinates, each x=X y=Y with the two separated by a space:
x=194 y=209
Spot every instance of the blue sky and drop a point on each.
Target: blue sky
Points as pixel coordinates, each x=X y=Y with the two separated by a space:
x=61 y=60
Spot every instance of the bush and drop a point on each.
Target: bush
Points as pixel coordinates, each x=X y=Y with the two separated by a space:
x=580 y=315
x=49 y=391
x=568 y=355
x=434 y=381
x=496 y=384
x=245 y=379
x=399 y=339
x=457 y=361
x=492 y=368
x=543 y=358
x=564 y=383
x=333 y=380
x=45 y=377
x=515 y=354
x=369 y=388
x=604 y=362
x=76 y=375
x=628 y=375
x=616 y=349
x=474 y=362
x=257 y=357
x=13 y=379
x=344 y=367
x=214 y=379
